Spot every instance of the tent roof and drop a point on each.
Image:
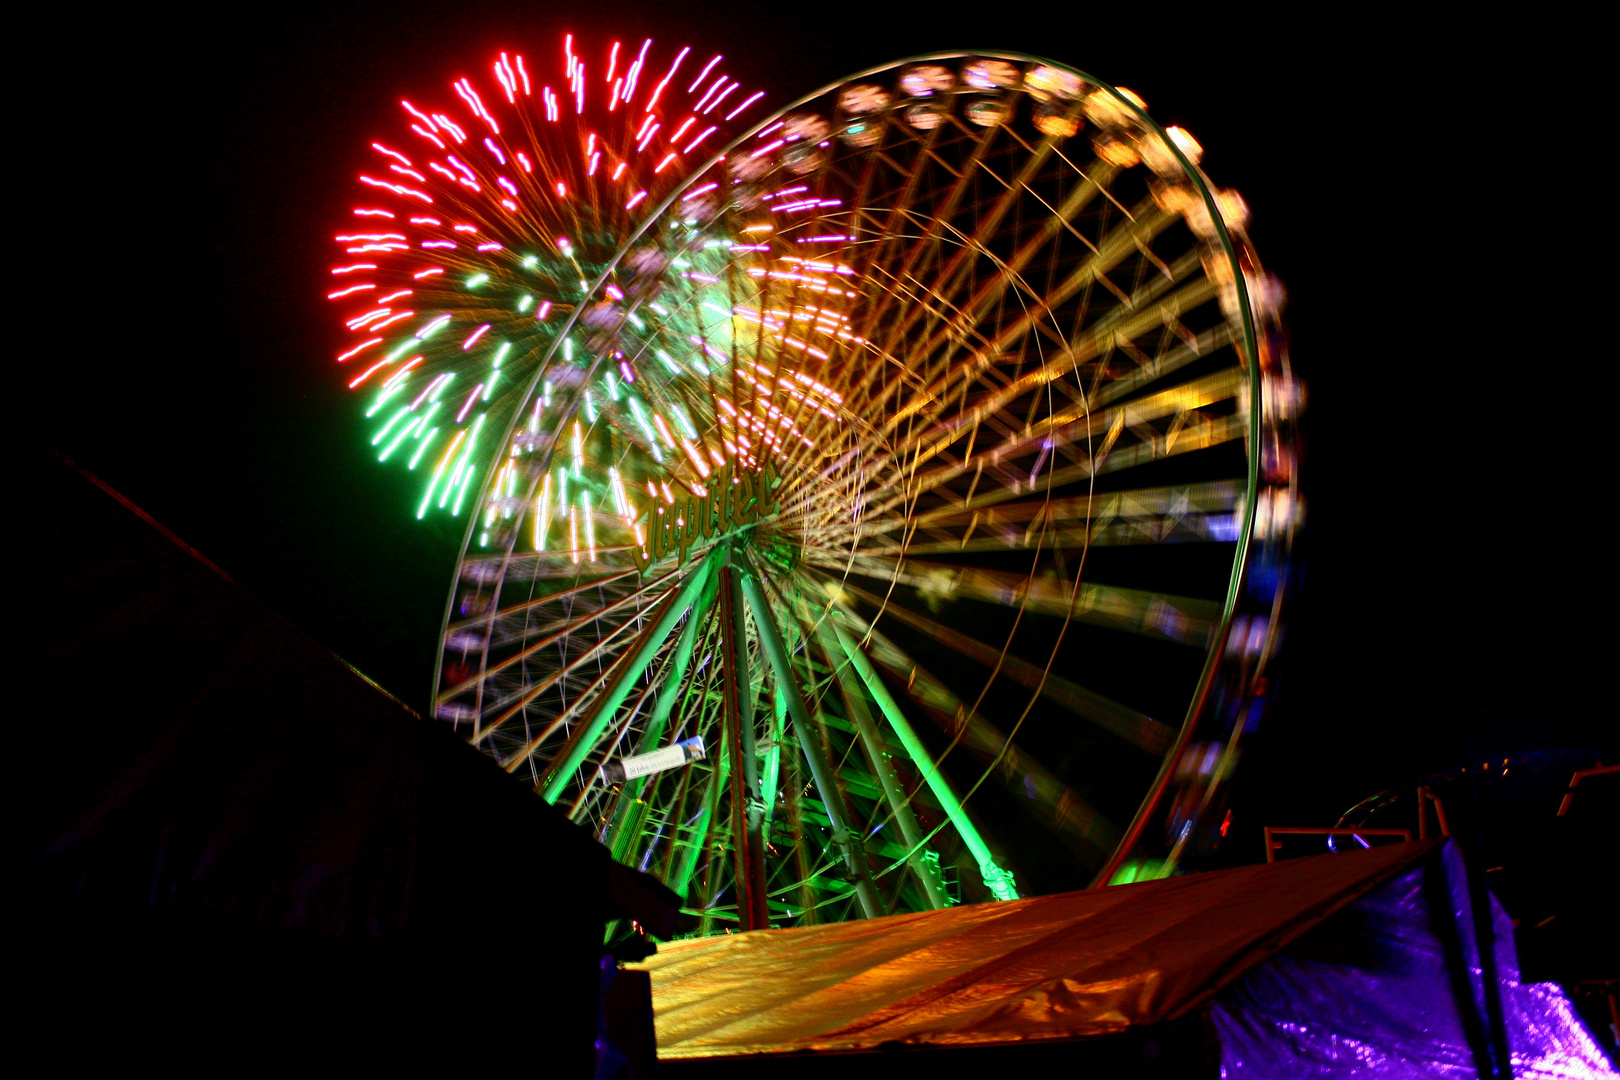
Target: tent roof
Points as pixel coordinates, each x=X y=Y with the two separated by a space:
x=1074 y=965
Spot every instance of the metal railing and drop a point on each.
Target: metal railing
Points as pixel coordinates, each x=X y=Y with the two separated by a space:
x=1274 y=831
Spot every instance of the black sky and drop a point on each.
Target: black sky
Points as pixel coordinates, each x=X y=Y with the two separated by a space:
x=196 y=170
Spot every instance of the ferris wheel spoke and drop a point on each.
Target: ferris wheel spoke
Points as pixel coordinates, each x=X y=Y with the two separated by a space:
x=853 y=785
x=1118 y=245
x=706 y=838
x=627 y=817
x=523 y=607
x=923 y=446
x=1010 y=275
x=950 y=280
x=958 y=322
x=814 y=864
x=525 y=692
x=847 y=652
x=511 y=568
x=968 y=247
x=923 y=863
x=1212 y=528
x=933 y=305
x=899 y=286
x=592 y=795
x=1175 y=618
x=944 y=206
x=942 y=210
x=560 y=771
x=1144 y=515
x=682 y=856
x=1119 y=325
x=1152 y=368
x=990 y=292
x=1195 y=434
x=1069 y=427
x=555 y=633
x=1136 y=728
x=528 y=690
x=901 y=200
x=670 y=825
x=881 y=777
x=1061 y=808
x=895 y=375
x=1002 y=387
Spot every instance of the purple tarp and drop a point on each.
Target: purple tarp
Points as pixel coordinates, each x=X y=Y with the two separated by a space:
x=1392 y=987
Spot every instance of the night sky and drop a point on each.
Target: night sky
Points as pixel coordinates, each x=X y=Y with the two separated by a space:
x=200 y=168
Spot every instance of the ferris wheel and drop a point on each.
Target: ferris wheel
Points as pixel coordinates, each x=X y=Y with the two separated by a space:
x=903 y=517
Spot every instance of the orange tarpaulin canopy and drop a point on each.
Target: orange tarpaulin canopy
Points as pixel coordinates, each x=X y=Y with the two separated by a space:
x=1054 y=967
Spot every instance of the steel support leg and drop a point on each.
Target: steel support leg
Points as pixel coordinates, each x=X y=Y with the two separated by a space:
x=591 y=727
x=926 y=868
x=629 y=812
x=999 y=881
x=748 y=845
x=770 y=639
x=707 y=842
x=686 y=858
x=770 y=781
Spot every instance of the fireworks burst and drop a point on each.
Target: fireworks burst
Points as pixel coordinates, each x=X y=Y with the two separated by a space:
x=486 y=223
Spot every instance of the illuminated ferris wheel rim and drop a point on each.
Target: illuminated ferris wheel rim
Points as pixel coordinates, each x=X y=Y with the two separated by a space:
x=1247 y=349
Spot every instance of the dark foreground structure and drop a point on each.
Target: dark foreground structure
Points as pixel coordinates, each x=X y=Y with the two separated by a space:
x=1366 y=964
x=218 y=837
